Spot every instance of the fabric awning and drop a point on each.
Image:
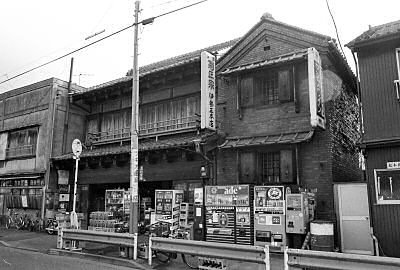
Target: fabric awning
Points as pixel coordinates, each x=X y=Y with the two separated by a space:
x=282 y=138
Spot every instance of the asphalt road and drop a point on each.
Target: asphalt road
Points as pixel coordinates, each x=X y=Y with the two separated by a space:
x=17 y=259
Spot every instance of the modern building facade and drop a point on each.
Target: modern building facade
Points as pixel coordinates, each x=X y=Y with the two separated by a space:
x=378 y=54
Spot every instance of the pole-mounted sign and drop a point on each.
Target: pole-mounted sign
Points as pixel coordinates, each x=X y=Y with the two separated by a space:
x=77 y=148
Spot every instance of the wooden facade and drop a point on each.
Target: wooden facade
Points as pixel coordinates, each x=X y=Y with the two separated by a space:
x=32 y=124
x=377 y=51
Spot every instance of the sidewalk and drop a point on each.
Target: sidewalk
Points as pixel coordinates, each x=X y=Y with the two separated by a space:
x=45 y=243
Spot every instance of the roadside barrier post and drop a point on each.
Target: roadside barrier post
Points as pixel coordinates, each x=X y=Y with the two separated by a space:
x=267 y=259
x=135 y=247
x=285 y=258
x=150 y=252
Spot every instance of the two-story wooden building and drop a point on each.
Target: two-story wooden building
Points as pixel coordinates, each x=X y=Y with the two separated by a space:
x=287 y=104
x=32 y=124
x=169 y=132
x=378 y=54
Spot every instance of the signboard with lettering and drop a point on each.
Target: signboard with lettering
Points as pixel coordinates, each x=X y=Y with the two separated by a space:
x=235 y=195
x=208 y=85
x=316 y=93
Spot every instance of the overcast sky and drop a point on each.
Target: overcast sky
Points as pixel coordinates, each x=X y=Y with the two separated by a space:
x=34 y=32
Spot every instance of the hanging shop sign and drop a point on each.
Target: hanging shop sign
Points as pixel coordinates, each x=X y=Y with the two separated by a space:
x=317 y=107
x=208 y=85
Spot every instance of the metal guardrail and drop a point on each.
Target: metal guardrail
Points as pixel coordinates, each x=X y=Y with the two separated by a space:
x=121 y=239
x=299 y=259
x=253 y=254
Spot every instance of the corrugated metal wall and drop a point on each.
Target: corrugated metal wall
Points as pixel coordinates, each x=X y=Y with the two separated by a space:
x=385 y=218
x=381 y=107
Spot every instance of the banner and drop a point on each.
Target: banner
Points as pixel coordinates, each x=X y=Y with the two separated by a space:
x=208 y=85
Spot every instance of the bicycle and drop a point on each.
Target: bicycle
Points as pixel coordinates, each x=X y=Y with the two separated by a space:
x=163 y=256
x=14 y=221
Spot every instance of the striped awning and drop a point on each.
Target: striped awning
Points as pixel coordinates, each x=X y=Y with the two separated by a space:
x=282 y=138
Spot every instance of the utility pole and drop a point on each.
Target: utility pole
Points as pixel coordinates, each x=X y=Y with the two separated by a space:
x=133 y=217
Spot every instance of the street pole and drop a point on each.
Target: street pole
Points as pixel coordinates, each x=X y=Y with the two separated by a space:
x=133 y=217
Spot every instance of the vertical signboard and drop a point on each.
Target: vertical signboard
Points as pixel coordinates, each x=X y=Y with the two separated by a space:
x=317 y=107
x=208 y=85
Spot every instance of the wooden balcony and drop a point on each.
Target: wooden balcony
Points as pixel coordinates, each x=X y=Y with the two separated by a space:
x=144 y=129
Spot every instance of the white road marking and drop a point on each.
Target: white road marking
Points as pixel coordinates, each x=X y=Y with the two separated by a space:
x=6 y=262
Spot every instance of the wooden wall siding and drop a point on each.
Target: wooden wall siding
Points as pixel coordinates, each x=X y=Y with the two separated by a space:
x=32 y=99
x=380 y=104
x=160 y=171
x=386 y=218
x=155 y=117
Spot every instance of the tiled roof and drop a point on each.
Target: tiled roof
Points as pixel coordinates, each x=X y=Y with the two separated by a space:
x=278 y=59
x=167 y=142
x=377 y=32
x=170 y=63
x=281 y=138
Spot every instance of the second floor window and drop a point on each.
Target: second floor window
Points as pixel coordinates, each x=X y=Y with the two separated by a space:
x=266 y=87
x=22 y=143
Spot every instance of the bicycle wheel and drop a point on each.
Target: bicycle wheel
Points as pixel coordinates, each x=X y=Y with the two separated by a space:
x=191 y=260
x=163 y=257
x=8 y=223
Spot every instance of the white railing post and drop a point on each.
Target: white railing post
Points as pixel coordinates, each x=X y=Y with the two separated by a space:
x=267 y=258
x=135 y=247
x=150 y=252
x=285 y=258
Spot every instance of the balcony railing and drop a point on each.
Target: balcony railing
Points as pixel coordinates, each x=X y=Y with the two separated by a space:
x=144 y=129
x=20 y=151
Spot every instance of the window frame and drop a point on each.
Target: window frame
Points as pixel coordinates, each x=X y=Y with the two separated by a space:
x=260 y=76
x=383 y=202
x=18 y=133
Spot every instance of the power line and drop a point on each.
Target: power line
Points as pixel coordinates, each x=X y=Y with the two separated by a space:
x=143 y=22
x=337 y=34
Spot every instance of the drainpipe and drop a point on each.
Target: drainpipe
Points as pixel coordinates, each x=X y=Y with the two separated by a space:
x=50 y=133
x=66 y=119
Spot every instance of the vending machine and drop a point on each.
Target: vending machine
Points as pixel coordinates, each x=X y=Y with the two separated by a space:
x=269 y=216
x=198 y=214
x=167 y=207
x=229 y=215
x=297 y=213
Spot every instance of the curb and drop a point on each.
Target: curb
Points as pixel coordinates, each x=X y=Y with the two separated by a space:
x=94 y=257
x=16 y=247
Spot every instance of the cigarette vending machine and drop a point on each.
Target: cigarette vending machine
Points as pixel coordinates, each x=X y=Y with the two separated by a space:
x=297 y=213
x=269 y=215
x=167 y=207
x=229 y=217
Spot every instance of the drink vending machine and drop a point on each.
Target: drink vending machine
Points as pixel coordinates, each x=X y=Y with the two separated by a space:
x=229 y=214
x=269 y=215
x=168 y=206
x=297 y=213
x=198 y=214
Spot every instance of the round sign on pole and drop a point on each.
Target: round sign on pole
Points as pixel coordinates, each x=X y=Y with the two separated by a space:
x=77 y=148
